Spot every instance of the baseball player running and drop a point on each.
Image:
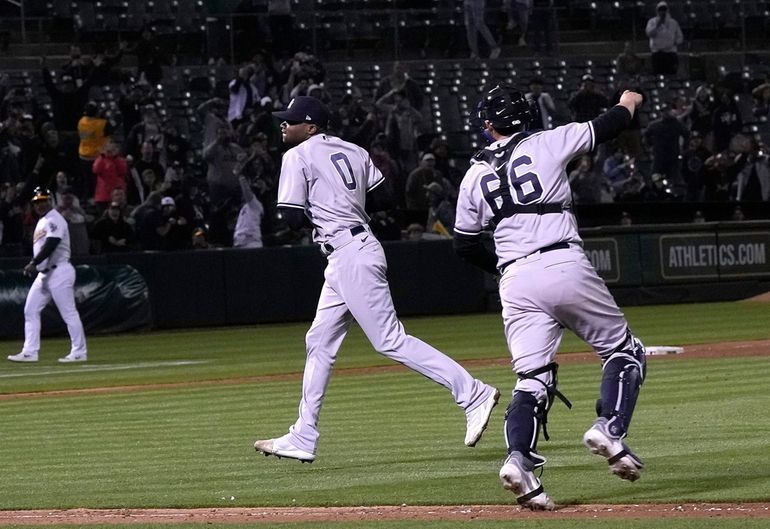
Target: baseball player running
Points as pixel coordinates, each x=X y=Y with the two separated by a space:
x=55 y=279
x=518 y=187
x=327 y=180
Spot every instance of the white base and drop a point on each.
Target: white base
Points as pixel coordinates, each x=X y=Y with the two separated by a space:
x=663 y=349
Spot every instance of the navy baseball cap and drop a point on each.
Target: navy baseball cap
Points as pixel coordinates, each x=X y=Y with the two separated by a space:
x=305 y=109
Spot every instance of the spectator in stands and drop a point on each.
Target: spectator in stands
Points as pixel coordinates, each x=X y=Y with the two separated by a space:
x=587 y=102
x=402 y=126
x=544 y=101
x=174 y=147
x=753 y=181
x=175 y=231
x=243 y=95
x=738 y=215
x=445 y=164
x=120 y=197
x=259 y=167
x=475 y=24
x=199 y=240
x=133 y=99
x=213 y=113
x=628 y=63
x=94 y=131
x=384 y=226
x=721 y=171
x=693 y=167
x=193 y=204
x=9 y=154
x=248 y=227
x=62 y=184
x=665 y=135
x=399 y=80
x=76 y=221
x=222 y=157
x=28 y=142
x=151 y=227
x=353 y=122
x=541 y=25
x=665 y=37
x=67 y=99
x=441 y=211
x=518 y=12
x=150 y=58
x=701 y=113
x=726 y=120
x=761 y=99
x=587 y=186
x=148 y=159
x=111 y=233
x=55 y=155
x=617 y=170
x=11 y=221
x=111 y=171
x=419 y=178
x=147 y=130
x=390 y=170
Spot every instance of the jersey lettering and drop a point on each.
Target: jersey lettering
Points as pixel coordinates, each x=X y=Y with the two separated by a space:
x=346 y=172
x=527 y=186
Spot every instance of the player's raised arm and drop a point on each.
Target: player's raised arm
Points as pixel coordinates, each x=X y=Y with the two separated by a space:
x=609 y=124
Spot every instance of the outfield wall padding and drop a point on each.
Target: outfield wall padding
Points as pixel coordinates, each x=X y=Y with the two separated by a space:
x=109 y=298
x=641 y=265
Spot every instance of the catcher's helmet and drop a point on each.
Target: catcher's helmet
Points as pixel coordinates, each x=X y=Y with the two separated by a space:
x=40 y=194
x=505 y=107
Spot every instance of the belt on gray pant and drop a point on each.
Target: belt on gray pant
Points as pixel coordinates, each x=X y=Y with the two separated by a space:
x=46 y=270
x=557 y=246
x=355 y=230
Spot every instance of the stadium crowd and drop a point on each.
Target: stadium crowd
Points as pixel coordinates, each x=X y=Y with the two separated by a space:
x=134 y=181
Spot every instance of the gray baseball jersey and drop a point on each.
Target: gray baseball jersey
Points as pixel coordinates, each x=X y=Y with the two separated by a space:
x=541 y=292
x=536 y=174
x=328 y=178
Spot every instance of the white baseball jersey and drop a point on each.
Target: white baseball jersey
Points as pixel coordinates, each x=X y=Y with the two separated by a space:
x=52 y=224
x=535 y=175
x=328 y=178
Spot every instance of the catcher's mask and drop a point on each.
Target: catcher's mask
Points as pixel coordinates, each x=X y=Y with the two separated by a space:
x=506 y=108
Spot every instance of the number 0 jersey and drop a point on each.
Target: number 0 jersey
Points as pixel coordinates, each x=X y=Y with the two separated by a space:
x=534 y=171
x=328 y=178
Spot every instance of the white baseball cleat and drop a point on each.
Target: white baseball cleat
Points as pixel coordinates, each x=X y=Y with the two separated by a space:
x=23 y=357
x=623 y=462
x=478 y=418
x=519 y=479
x=281 y=447
x=73 y=358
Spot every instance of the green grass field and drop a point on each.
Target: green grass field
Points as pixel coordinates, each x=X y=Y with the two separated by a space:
x=702 y=425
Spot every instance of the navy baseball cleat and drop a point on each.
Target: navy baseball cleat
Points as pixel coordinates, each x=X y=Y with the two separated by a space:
x=478 y=418
x=623 y=462
x=517 y=476
x=281 y=447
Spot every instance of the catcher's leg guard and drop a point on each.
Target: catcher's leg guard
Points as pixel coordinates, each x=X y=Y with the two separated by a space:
x=522 y=426
x=623 y=372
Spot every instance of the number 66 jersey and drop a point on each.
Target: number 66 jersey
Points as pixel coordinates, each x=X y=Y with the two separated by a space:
x=518 y=187
x=328 y=178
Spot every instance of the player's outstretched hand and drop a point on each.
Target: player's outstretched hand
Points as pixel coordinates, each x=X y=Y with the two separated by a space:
x=631 y=98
